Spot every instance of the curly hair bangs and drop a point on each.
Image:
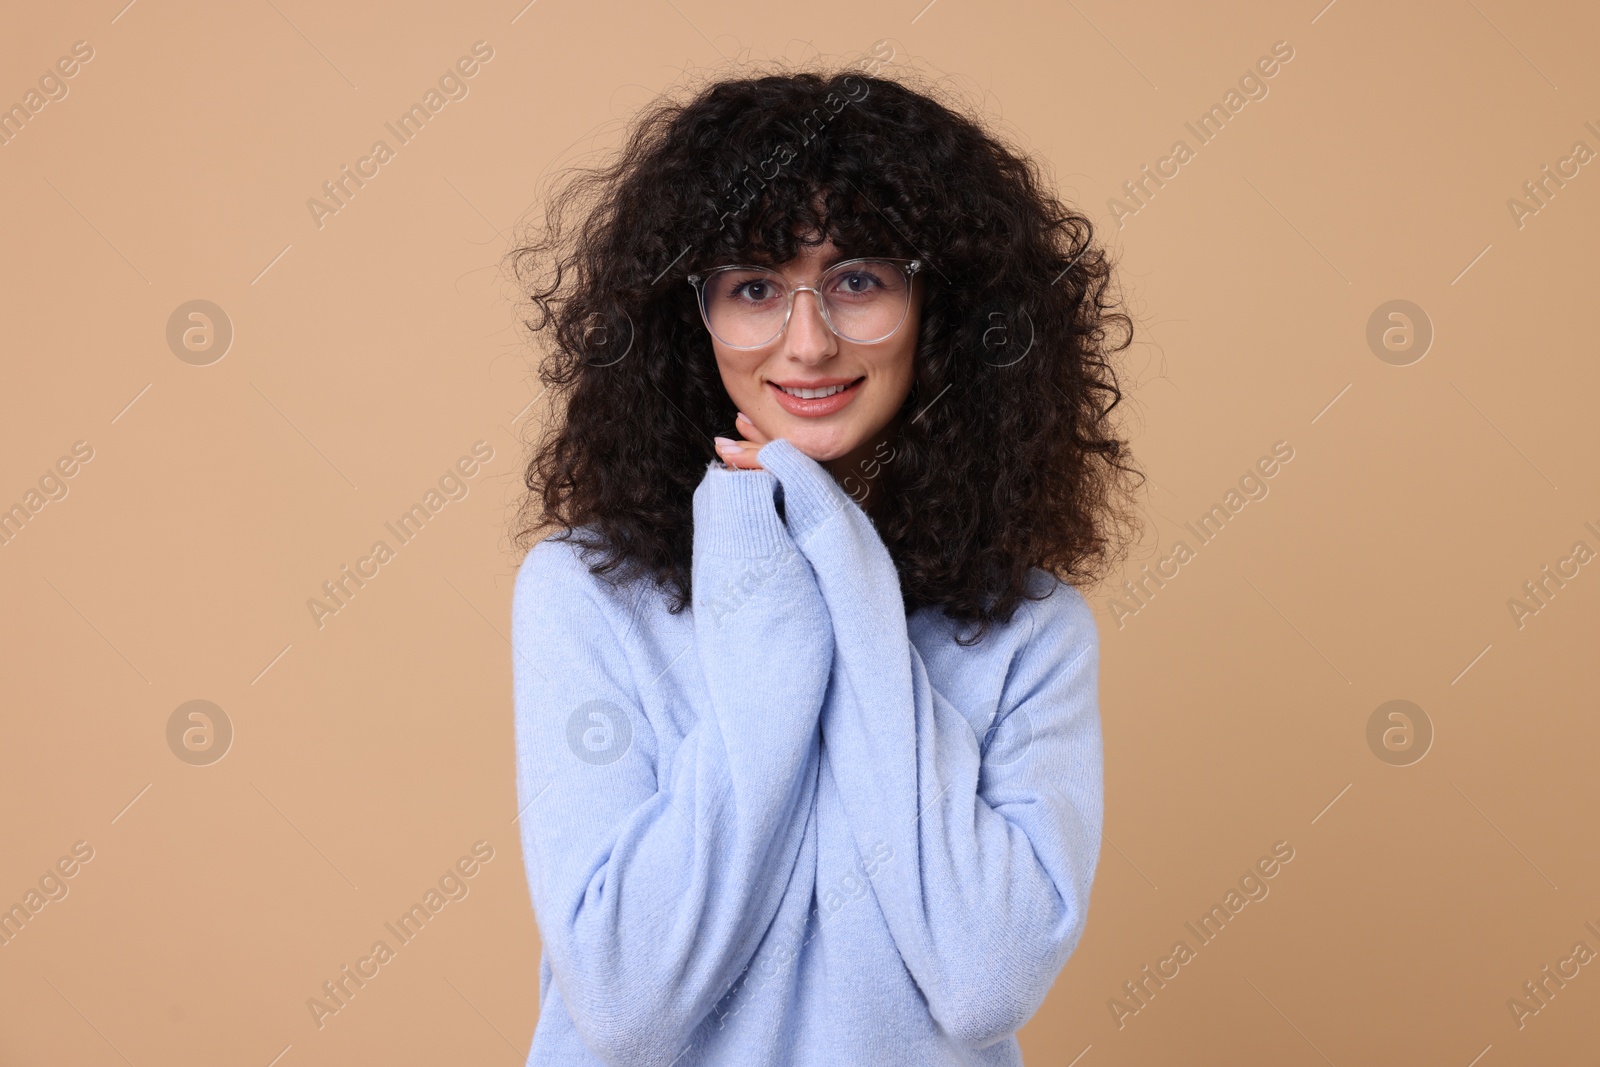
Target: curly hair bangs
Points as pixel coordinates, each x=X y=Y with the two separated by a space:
x=1005 y=456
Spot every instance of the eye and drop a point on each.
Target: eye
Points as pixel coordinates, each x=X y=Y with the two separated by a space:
x=749 y=288
x=860 y=281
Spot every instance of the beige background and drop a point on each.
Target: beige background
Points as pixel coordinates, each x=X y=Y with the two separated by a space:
x=369 y=354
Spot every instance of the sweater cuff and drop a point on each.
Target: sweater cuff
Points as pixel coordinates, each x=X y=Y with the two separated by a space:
x=734 y=513
x=811 y=496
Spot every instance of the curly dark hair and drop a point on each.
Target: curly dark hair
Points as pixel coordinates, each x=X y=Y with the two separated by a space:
x=1002 y=461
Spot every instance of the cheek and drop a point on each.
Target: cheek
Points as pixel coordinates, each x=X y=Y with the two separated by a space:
x=900 y=369
x=737 y=370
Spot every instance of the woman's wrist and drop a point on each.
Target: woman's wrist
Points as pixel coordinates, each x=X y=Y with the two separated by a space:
x=811 y=496
x=735 y=514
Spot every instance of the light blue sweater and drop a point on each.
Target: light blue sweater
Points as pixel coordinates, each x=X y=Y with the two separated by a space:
x=791 y=825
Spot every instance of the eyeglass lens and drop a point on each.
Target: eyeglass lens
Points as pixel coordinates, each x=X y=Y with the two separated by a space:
x=865 y=302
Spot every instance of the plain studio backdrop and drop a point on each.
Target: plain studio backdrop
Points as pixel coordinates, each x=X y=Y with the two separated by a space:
x=1378 y=261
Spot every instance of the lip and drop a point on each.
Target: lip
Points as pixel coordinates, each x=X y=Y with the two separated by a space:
x=827 y=405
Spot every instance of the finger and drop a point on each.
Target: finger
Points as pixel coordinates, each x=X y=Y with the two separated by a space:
x=738 y=454
x=748 y=428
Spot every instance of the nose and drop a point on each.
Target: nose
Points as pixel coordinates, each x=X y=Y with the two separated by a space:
x=808 y=336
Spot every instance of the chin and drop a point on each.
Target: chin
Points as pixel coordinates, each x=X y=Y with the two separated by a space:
x=821 y=447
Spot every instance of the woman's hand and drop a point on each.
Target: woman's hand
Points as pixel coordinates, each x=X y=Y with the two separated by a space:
x=741 y=454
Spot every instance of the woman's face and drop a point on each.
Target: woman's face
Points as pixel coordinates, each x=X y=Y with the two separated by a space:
x=809 y=355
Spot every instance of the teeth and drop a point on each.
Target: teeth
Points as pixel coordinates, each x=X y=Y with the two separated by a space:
x=814 y=394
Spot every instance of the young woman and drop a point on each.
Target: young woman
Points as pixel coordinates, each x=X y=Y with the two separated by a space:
x=832 y=375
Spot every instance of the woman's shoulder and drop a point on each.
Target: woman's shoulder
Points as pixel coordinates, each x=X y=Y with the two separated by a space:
x=1051 y=635
x=554 y=559
x=1050 y=593
x=1054 y=618
x=556 y=576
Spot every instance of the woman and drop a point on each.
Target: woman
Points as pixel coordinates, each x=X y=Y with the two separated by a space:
x=810 y=820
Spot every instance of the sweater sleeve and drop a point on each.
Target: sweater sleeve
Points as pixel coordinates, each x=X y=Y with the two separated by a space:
x=995 y=844
x=653 y=880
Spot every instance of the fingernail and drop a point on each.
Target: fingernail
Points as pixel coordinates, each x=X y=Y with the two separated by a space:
x=745 y=417
x=725 y=444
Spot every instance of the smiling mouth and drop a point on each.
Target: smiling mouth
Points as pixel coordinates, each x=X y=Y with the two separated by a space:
x=817 y=394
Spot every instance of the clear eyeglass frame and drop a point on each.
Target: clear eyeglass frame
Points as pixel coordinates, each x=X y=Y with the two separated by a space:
x=907 y=267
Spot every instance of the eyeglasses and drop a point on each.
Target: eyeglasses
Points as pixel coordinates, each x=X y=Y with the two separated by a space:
x=862 y=300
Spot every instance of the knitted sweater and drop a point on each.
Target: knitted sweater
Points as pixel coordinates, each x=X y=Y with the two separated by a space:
x=792 y=825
